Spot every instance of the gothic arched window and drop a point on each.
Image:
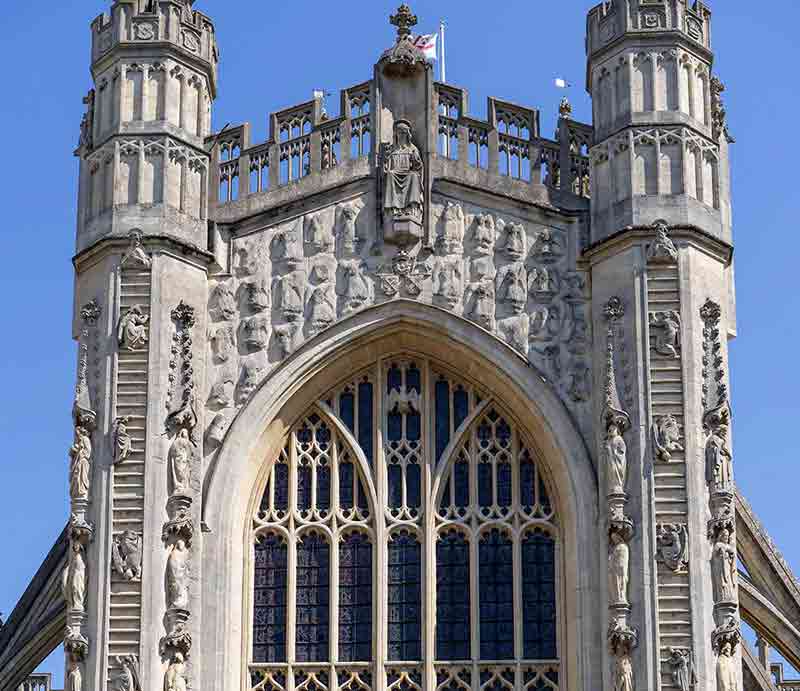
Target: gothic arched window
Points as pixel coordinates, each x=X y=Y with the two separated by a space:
x=406 y=541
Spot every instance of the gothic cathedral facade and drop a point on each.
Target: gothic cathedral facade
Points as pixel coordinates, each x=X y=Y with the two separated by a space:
x=402 y=399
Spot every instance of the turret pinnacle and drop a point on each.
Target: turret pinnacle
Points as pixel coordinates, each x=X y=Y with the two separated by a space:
x=404 y=20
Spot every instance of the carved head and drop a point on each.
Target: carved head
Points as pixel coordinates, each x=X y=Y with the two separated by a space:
x=402 y=133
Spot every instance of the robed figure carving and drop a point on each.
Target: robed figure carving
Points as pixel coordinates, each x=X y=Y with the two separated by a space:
x=403 y=187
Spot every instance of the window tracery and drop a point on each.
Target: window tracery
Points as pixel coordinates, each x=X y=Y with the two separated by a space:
x=454 y=570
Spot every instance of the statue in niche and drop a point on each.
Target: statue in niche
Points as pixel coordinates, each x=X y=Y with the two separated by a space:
x=543 y=283
x=727 y=678
x=579 y=388
x=546 y=323
x=663 y=250
x=291 y=292
x=322 y=308
x=452 y=238
x=719 y=460
x=482 y=310
x=250 y=261
x=682 y=664
x=668 y=335
x=132 y=332
x=248 y=383
x=485 y=234
x=136 y=253
x=127 y=674
x=123 y=444
x=74 y=680
x=73 y=580
x=255 y=332
x=516 y=246
x=619 y=561
x=221 y=394
x=258 y=295
x=126 y=555
x=348 y=233
x=666 y=437
x=285 y=338
x=356 y=290
x=179 y=459
x=178 y=576
x=403 y=171
x=175 y=676
x=222 y=343
x=222 y=303
x=673 y=547
x=723 y=568
x=448 y=283
x=515 y=332
x=289 y=248
x=548 y=247
x=319 y=237
x=616 y=457
x=513 y=289
x=80 y=464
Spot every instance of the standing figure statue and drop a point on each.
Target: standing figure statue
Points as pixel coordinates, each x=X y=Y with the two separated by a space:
x=723 y=568
x=74 y=680
x=727 y=679
x=80 y=464
x=175 y=679
x=180 y=463
x=73 y=583
x=616 y=452
x=178 y=576
x=123 y=444
x=719 y=458
x=618 y=569
x=623 y=673
x=403 y=170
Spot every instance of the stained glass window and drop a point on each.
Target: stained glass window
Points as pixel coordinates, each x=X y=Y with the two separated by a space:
x=539 y=596
x=269 y=601
x=355 y=599
x=404 y=597
x=496 y=594
x=313 y=597
x=452 y=597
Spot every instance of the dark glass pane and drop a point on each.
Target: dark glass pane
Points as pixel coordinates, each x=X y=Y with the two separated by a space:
x=461 y=471
x=324 y=488
x=496 y=588
x=394 y=426
x=413 y=379
x=539 y=597
x=281 y=479
x=363 y=501
x=346 y=470
x=485 y=482
x=504 y=483
x=269 y=600
x=544 y=498
x=395 y=477
x=313 y=594
x=413 y=426
x=365 y=426
x=347 y=410
x=413 y=486
x=527 y=481
x=404 y=598
x=452 y=598
x=355 y=599
x=447 y=498
x=394 y=379
x=442 y=396
x=304 y=488
x=460 y=406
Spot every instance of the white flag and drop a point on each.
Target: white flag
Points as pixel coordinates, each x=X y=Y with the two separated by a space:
x=561 y=83
x=427 y=44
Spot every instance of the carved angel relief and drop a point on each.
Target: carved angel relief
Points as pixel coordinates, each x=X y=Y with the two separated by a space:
x=673 y=547
x=666 y=436
x=132 y=332
x=667 y=326
x=126 y=555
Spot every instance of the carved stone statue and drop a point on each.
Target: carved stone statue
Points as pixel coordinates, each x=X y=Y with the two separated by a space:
x=73 y=583
x=516 y=246
x=179 y=459
x=663 y=250
x=666 y=437
x=404 y=198
x=485 y=234
x=448 y=285
x=727 y=679
x=543 y=283
x=126 y=677
x=619 y=558
x=292 y=296
x=452 y=238
x=255 y=332
x=355 y=292
x=723 y=568
x=515 y=331
x=319 y=237
x=482 y=310
x=622 y=640
x=175 y=677
x=668 y=332
x=216 y=430
x=285 y=337
x=548 y=247
x=616 y=457
x=258 y=295
x=348 y=232
x=136 y=254
x=288 y=248
x=80 y=464
x=251 y=375
x=222 y=343
x=123 y=444
x=74 y=680
x=132 y=332
x=222 y=303
x=579 y=388
x=126 y=555
x=682 y=664
x=673 y=546
x=322 y=307
x=719 y=458
x=546 y=323
x=513 y=289
x=623 y=673
x=221 y=394
x=177 y=576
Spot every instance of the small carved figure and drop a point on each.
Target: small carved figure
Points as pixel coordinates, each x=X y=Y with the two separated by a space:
x=682 y=664
x=719 y=459
x=513 y=289
x=516 y=246
x=180 y=463
x=482 y=310
x=258 y=297
x=178 y=576
x=515 y=332
x=74 y=680
x=221 y=394
x=216 y=430
x=322 y=308
x=616 y=456
x=126 y=677
x=403 y=401
x=452 y=238
x=73 y=581
x=727 y=678
x=673 y=547
x=123 y=444
x=289 y=248
x=485 y=234
x=579 y=389
x=348 y=234
x=249 y=382
x=291 y=291
x=548 y=247
x=666 y=437
x=136 y=253
x=355 y=292
x=255 y=332
x=448 y=286
x=222 y=304
x=723 y=568
x=668 y=334
x=403 y=171
x=222 y=343
x=623 y=673
x=285 y=337
x=482 y=268
x=320 y=238
x=126 y=555
x=619 y=557
x=86 y=140
x=132 y=332
x=80 y=464
x=546 y=323
x=663 y=250
x=175 y=676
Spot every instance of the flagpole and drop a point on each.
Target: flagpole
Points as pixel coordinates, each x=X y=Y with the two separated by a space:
x=442 y=67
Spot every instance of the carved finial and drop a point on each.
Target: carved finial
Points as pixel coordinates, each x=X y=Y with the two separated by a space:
x=565 y=108
x=404 y=20
x=613 y=414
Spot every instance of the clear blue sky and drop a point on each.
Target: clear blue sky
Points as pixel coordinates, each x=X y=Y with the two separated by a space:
x=273 y=53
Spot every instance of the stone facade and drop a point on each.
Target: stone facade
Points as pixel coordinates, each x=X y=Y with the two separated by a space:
x=406 y=336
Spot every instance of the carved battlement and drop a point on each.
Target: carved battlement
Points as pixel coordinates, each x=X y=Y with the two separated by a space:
x=162 y=23
x=306 y=142
x=611 y=19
